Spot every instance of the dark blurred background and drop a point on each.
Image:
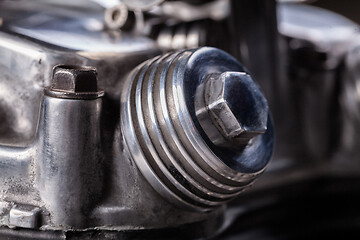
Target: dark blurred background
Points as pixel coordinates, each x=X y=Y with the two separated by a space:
x=348 y=8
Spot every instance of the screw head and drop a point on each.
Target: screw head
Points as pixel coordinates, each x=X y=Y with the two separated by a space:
x=78 y=82
x=236 y=107
x=116 y=16
x=74 y=79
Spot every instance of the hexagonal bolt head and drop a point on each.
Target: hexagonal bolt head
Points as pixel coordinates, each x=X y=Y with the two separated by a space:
x=236 y=109
x=74 y=79
x=74 y=82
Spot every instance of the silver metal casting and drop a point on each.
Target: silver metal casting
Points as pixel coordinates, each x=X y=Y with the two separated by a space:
x=165 y=141
x=63 y=152
x=105 y=134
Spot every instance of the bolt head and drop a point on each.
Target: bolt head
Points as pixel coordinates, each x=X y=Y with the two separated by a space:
x=237 y=108
x=74 y=79
x=116 y=16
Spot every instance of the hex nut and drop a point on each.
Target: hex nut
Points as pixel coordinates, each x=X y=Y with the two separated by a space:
x=77 y=82
x=236 y=107
x=24 y=216
x=74 y=79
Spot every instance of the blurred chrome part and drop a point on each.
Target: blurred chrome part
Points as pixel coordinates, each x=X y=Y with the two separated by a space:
x=188 y=26
x=350 y=102
x=185 y=12
x=318 y=41
x=182 y=37
x=295 y=1
x=20 y=123
x=116 y=16
x=328 y=31
x=99 y=14
x=141 y=4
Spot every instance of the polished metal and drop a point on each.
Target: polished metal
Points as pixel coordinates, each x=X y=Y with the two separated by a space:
x=74 y=82
x=69 y=158
x=106 y=134
x=76 y=162
x=166 y=141
x=59 y=175
x=70 y=43
x=24 y=216
x=231 y=109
